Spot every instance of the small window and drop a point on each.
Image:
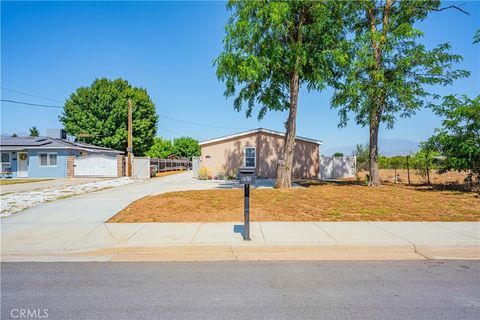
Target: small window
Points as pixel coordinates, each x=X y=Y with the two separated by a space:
x=53 y=159
x=47 y=159
x=43 y=159
x=5 y=161
x=6 y=157
x=250 y=157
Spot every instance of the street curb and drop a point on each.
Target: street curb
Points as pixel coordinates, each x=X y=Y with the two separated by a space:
x=255 y=252
x=467 y=252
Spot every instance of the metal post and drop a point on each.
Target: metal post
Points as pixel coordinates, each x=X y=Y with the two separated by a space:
x=408 y=170
x=130 y=138
x=246 y=212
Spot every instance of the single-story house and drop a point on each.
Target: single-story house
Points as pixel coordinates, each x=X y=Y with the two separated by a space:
x=56 y=157
x=259 y=148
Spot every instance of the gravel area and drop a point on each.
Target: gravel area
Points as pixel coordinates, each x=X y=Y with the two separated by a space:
x=15 y=202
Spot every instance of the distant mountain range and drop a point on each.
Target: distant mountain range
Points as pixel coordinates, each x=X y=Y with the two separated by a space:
x=387 y=147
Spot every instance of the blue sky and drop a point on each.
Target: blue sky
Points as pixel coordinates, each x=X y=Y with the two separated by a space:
x=50 y=49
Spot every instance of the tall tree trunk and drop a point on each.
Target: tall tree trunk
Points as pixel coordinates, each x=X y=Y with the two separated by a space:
x=373 y=165
x=284 y=166
x=379 y=99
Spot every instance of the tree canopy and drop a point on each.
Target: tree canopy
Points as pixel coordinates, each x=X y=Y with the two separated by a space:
x=390 y=70
x=271 y=49
x=183 y=147
x=161 y=148
x=186 y=147
x=34 y=132
x=99 y=115
x=459 y=138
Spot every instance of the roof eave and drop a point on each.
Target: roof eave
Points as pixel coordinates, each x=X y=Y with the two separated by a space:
x=256 y=131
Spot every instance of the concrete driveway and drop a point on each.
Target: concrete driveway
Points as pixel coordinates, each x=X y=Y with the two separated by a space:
x=62 y=182
x=55 y=225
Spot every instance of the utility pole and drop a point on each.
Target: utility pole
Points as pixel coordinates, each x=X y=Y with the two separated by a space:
x=129 y=148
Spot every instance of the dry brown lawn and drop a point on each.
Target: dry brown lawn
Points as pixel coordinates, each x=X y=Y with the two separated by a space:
x=388 y=175
x=342 y=201
x=5 y=182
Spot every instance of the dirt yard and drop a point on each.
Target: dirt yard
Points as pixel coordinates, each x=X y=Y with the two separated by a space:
x=342 y=201
x=388 y=175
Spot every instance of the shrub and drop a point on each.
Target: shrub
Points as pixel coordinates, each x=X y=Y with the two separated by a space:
x=203 y=173
x=367 y=179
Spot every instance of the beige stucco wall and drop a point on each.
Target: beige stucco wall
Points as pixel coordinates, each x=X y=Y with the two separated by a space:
x=226 y=156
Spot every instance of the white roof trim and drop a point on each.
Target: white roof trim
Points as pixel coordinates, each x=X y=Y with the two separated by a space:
x=277 y=133
x=22 y=148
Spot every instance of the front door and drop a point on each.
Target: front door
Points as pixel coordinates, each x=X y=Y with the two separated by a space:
x=22 y=165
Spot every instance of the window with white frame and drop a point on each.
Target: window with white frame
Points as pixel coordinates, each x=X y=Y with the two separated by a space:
x=250 y=156
x=6 y=161
x=47 y=159
x=52 y=157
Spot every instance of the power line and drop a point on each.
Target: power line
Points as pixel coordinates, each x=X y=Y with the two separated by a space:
x=30 y=95
x=171 y=131
x=32 y=104
x=162 y=116
x=199 y=124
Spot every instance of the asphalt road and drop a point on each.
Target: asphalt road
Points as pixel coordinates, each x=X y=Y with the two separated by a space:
x=242 y=290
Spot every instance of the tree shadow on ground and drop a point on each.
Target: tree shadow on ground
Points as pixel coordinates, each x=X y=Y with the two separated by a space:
x=340 y=183
x=454 y=188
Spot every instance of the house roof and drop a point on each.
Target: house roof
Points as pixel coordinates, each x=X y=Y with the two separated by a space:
x=22 y=143
x=263 y=130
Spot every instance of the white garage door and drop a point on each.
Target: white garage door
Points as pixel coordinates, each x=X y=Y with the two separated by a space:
x=96 y=166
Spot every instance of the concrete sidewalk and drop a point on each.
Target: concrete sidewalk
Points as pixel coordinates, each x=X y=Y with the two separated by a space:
x=270 y=241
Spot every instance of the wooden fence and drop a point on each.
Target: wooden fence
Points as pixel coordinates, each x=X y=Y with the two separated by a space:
x=163 y=165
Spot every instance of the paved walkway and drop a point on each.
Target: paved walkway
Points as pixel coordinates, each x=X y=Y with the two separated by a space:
x=22 y=187
x=74 y=229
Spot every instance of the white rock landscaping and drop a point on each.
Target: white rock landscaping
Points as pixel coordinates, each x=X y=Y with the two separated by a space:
x=15 y=202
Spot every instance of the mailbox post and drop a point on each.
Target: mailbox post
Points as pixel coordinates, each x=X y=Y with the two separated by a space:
x=246 y=176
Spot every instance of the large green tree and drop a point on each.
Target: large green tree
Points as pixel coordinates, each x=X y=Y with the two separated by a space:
x=161 y=148
x=99 y=115
x=459 y=138
x=186 y=147
x=271 y=50
x=390 y=70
